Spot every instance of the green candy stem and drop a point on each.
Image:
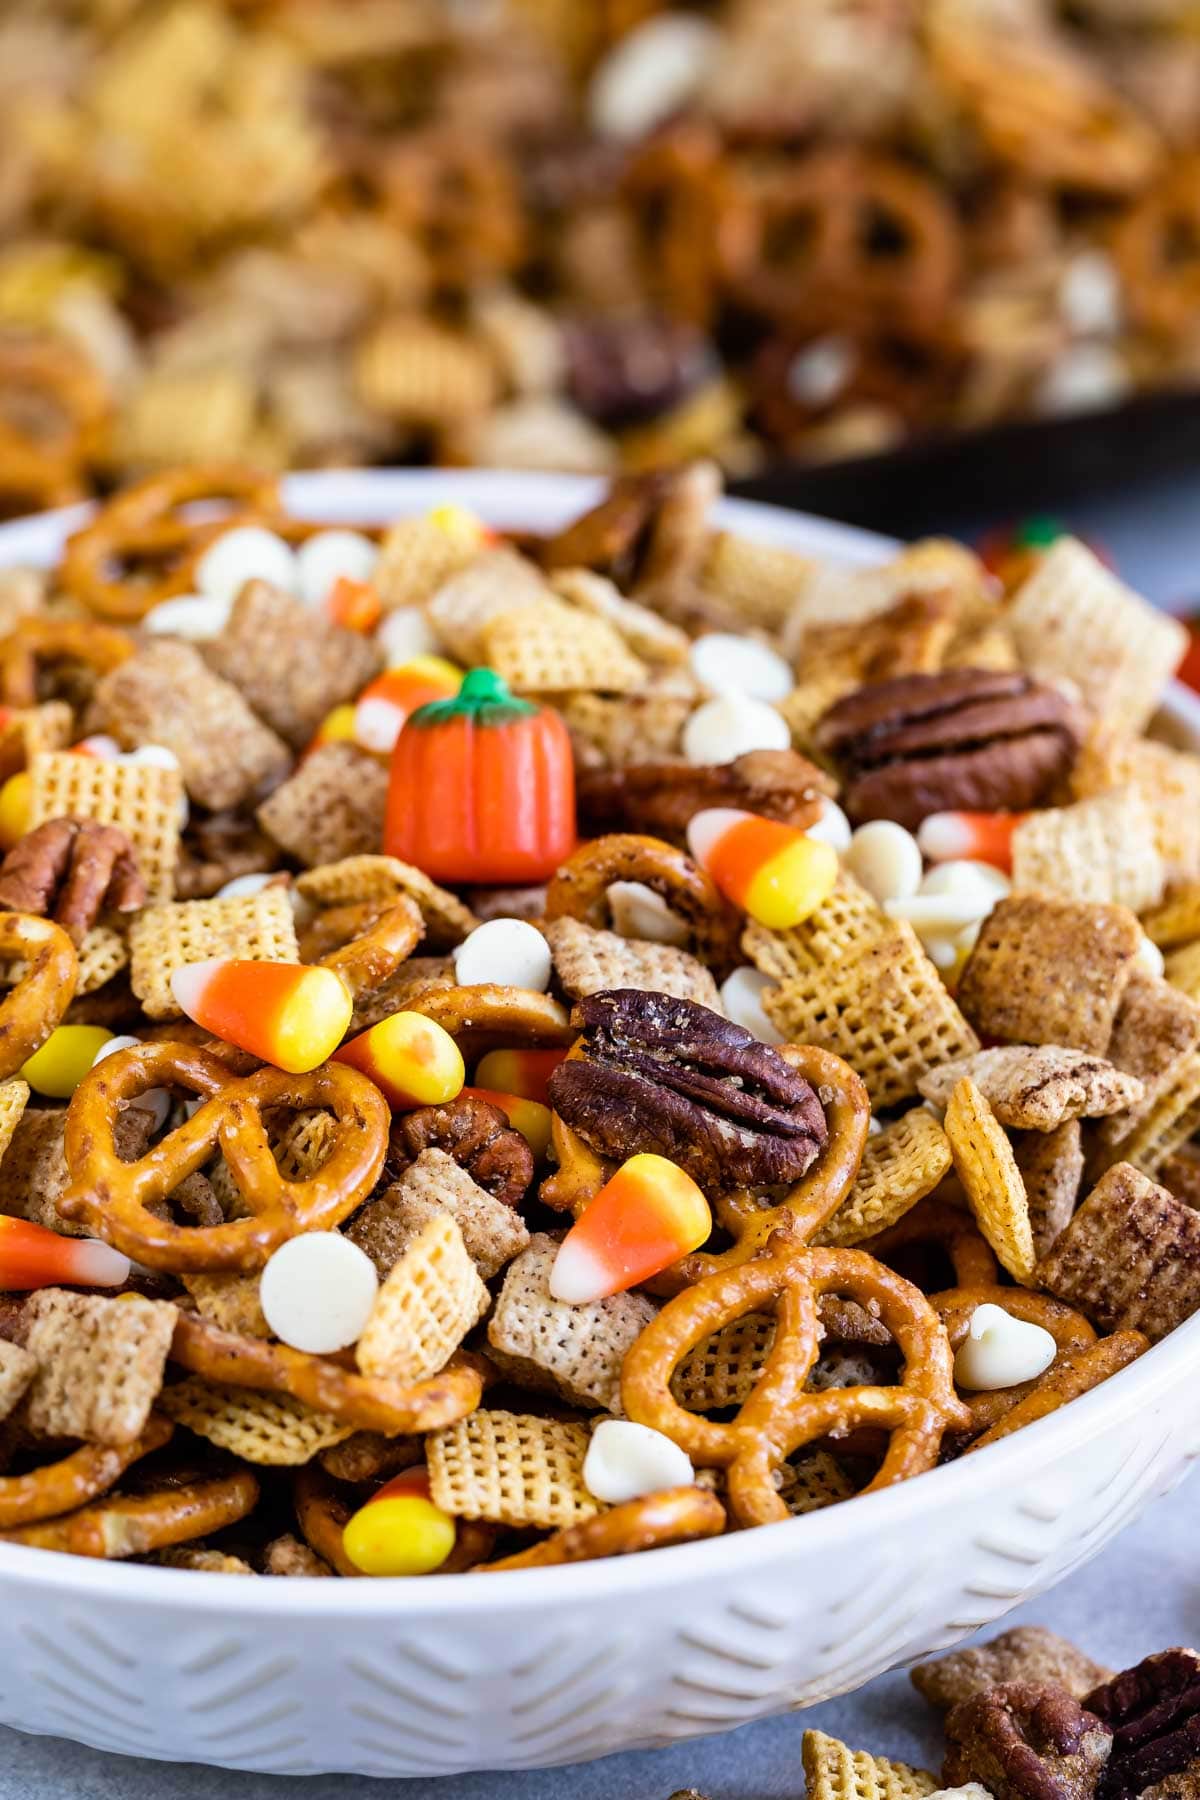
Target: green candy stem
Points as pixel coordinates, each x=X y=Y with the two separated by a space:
x=483 y=698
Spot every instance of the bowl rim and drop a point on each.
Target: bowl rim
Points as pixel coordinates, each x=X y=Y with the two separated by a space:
x=529 y=500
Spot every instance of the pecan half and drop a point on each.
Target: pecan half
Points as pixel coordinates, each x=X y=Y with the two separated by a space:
x=1026 y=1740
x=971 y=739
x=1153 y=1710
x=660 y=797
x=71 y=870
x=479 y=1138
x=666 y=1075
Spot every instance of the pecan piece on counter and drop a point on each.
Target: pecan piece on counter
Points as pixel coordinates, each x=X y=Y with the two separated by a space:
x=1153 y=1711
x=974 y=740
x=479 y=1138
x=1026 y=1740
x=660 y=797
x=664 y=1074
x=72 y=870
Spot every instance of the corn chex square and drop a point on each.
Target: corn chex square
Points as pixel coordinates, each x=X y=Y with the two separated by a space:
x=1049 y=971
x=556 y=648
x=1130 y=1258
x=498 y=582
x=435 y=1184
x=419 y=555
x=425 y=1308
x=142 y=799
x=355 y=878
x=813 y=1481
x=1169 y=783
x=1171 y=1121
x=1156 y=1031
x=512 y=1468
x=100 y=1364
x=1103 y=849
x=832 y=1771
x=272 y=1430
x=1034 y=1087
x=14 y=1098
x=248 y=927
x=575 y=1351
x=230 y=1301
x=900 y=1165
x=722 y=1370
x=987 y=1168
x=330 y=807
x=757 y=583
x=1073 y=620
x=615 y=730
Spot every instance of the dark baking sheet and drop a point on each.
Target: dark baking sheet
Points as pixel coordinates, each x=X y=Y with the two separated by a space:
x=972 y=480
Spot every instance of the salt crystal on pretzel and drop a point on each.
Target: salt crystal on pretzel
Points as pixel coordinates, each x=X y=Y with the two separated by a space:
x=575 y=1351
x=1034 y=1087
x=330 y=808
x=1049 y=971
x=987 y=1168
x=142 y=799
x=832 y=1771
x=266 y=1429
x=430 y=1300
x=512 y=1468
x=1102 y=849
x=587 y=961
x=100 y=1364
x=1130 y=1257
x=1025 y=1653
x=900 y=1165
x=257 y=927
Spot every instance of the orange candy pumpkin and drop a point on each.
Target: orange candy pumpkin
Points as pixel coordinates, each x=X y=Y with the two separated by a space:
x=482 y=788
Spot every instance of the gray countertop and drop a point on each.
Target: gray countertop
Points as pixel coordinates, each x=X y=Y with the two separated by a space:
x=1142 y=1594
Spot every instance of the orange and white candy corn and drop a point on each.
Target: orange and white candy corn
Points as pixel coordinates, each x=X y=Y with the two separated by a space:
x=530 y=1117
x=649 y=1215
x=32 y=1257
x=772 y=871
x=284 y=1013
x=524 y=1073
x=386 y=702
x=354 y=605
x=412 y=1060
x=969 y=837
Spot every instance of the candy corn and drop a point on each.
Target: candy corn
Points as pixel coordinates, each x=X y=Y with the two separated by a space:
x=772 y=871
x=16 y=805
x=400 y=1531
x=649 y=1215
x=529 y=1117
x=32 y=1257
x=523 y=1073
x=386 y=702
x=969 y=836
x=284 y=1013
x=354 y=605
x=57 y=1069
x=337 y=727
x=411 y=1060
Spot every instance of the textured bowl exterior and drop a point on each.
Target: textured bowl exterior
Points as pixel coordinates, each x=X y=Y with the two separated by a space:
x=537 y=1667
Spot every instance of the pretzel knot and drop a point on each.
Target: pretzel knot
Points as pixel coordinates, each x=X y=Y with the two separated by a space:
x=114 y=1198
x=781 y=1416
x=376 y=951
x=672 y=1516
x=38 y=639
x=32 y=1009
x=580 y=890
x=1069 y=1329
x=60 y=1487
x=132 y=1524
x=491 y=1017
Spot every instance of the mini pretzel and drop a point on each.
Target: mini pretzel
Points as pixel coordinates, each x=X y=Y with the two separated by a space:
x=62 y=1486
x=144 y=523
x=677 y=190
x=1069 y=1329
x=580 y=888
x=1066 y=1379
x=579 y=1175
x=780 y=1416
x=674 y=1516
x=936 y=1222
x=114 y=1198
x=128 y=1525
x=32 y=1009
x=489 y=1017
x=370 y=1402
x=1155 y=249
x=37 y=639
x=323 y=1513
x=45 y=467
x=372 y=956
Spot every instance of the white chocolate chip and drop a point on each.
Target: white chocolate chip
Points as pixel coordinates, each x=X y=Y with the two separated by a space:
x=377 y=724
x=741 y=996
x=242 y=886
x=636 y=911
x=651 y=73
x=726 y=663
x=1085 y=377
x=1150 y=956
x=937 y=914
x=1089 y=295
x=730 y=726
x=966 y=876
x=198 y=617
x=504 y=952
x=832 y=828
x=817 y=374
x=101 y=745
x=326 y=557
x=625 y=1461
x=247 y=553
x=1000 y=1351
x=884 y=857
x=317 y=1292
x=406 y=634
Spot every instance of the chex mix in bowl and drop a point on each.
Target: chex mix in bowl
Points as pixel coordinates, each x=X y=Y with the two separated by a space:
x=522 y=1049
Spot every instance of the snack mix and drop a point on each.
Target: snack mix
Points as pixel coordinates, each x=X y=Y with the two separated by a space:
x=596 y=235
x=527 y=1049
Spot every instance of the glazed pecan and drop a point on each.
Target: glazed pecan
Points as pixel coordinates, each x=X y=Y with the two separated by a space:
x=1153 y=1711
x=660 y=797
x=72 y=870
x=479 y=1138
x=970 y=739
x=620 y=371
x=666 y=1075
x=1026 y=1740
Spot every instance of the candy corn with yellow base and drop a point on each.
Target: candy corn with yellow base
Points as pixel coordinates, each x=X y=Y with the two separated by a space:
x=529 y=1117
x=32 y=1257
x=400 y=1531
x=386 y=702
x=772 y=871
x=412 y=1060
x=520 y=1072
x=286 y=1014
x=644 y=1219
x=64 y=1059
x=16 y=808
x=337 y=727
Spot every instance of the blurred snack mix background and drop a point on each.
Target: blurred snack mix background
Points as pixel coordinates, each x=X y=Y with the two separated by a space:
x=581 y=234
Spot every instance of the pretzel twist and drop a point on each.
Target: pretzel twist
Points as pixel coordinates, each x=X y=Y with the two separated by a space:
x=1069 y=1329
x=580 y=888
x=781 y=1416
x=674 y=1516
x=955 y=1231
x=37 y=638
x=369 y=1402
x=61 y=1487
x=491 y=1017
x=1069 y=1376
x=374 y=954
x=113 y=1198
x=323 y=1512
x=30 y=1011
x=48 y=467
x=130 y=1525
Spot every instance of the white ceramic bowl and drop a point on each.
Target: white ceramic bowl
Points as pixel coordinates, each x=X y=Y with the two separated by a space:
x=558 y=1665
